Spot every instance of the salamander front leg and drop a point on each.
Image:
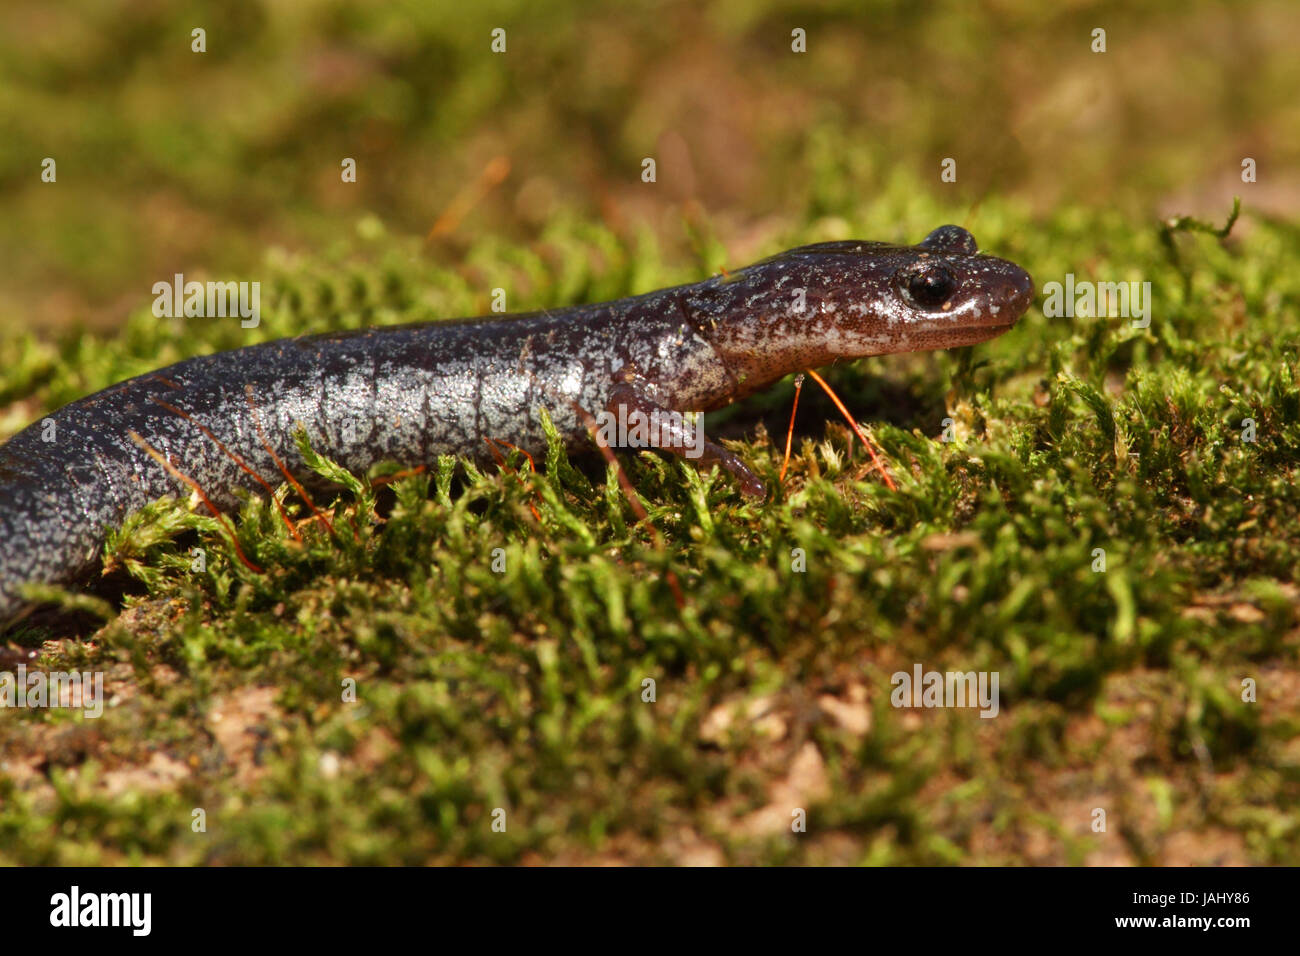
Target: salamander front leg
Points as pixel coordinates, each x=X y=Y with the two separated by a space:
x=634 y=419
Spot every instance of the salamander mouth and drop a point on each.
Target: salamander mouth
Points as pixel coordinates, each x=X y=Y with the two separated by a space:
x=992 y=330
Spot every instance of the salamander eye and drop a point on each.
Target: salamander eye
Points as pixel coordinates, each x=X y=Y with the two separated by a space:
x=930 y=286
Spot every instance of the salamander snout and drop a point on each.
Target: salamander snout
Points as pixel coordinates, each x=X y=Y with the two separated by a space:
x=1018 y=294
x=1009 y=293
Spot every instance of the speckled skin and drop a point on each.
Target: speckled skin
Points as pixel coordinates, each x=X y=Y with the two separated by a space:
x=411 y=393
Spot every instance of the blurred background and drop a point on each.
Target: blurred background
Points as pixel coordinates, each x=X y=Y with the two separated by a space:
x=174 y=161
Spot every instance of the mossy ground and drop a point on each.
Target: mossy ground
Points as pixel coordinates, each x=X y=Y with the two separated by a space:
x=523 y=690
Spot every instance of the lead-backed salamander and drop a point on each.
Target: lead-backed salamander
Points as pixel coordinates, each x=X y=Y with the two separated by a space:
x=411 y=393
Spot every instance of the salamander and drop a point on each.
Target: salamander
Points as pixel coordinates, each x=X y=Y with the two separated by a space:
x=412 y=393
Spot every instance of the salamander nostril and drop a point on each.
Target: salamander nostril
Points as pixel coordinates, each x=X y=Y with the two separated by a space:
x=1024 y=290
x=1012 y=296
x=1017 y=293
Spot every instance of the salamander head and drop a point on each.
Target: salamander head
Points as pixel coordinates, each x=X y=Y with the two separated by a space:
x=843 y=300
x=938 y=294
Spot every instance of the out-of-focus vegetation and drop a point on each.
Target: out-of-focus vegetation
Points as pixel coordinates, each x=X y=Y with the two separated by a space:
x=174 y=161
